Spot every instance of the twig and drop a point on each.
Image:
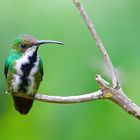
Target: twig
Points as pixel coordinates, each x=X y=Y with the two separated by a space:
x=98 y=41
x=66 y=99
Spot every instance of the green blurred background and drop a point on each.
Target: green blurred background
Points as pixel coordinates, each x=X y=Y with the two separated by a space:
x=71 y=69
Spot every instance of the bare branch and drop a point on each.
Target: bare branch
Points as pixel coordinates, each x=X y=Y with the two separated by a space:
x=66 y=99
x=106 y=92
x=98 y=42
x=115 y=94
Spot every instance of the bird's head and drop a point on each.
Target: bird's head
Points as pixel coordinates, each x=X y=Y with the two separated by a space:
x=24 y=42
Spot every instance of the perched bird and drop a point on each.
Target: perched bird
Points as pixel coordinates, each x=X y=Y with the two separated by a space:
x=24 y=70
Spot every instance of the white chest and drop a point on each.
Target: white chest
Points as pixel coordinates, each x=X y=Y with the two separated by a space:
x=25 y=69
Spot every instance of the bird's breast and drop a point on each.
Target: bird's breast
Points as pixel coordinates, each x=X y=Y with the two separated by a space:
x=25 y=69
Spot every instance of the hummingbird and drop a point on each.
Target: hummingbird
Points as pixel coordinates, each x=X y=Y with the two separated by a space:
x=24 y=70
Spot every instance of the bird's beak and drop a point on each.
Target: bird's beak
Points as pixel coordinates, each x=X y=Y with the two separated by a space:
x=40 y=42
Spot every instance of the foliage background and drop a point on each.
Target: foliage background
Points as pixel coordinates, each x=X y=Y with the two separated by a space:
x=70 y=70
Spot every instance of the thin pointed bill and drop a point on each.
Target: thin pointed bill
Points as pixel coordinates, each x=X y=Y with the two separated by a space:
x=40 y=42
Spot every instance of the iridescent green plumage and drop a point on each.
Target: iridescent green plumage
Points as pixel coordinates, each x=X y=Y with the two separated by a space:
x=24 y=70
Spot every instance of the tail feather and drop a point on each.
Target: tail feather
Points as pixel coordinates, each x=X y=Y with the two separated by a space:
x=22 y=105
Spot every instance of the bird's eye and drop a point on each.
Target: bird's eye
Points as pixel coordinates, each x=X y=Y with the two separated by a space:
x=22 y=46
